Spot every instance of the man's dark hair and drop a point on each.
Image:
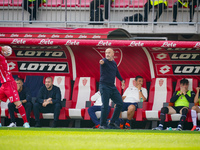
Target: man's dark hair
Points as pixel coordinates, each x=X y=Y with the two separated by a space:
x=138 y=77
x=184 y=81
x=49 y=78
x=19 y=79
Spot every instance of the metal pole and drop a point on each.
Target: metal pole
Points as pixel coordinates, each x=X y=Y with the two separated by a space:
x=66 y=13
x=153 y=17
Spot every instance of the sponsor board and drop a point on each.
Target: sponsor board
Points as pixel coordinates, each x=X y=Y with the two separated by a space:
x=43 y=67
x=172 y=49
x=40 y=54
x=176 y=56
x=174 y=69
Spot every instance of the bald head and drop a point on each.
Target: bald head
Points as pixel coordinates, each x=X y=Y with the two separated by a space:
x=109 y=54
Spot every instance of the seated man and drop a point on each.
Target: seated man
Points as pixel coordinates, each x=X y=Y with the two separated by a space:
x=96 y=107
x=25 y=98
x=94 y=4
x=131 y=97
x=48 y=101
x=181 y=100
x=161 y=4
x=195 y=109
x=184 y=3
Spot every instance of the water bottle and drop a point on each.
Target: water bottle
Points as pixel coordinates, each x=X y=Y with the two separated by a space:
x=141 y=99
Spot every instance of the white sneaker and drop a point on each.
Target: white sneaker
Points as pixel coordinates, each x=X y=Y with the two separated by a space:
x=26 y=125
x=0 y=125
x=12 y=124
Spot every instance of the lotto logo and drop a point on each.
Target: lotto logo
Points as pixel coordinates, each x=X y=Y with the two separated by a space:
x=177 y=69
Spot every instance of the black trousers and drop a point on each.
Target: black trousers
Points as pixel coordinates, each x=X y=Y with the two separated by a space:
x=36 y=4
x=96 y=3
x=147 y=8
x=178 y=5
x=51 y=108
x=12 y=108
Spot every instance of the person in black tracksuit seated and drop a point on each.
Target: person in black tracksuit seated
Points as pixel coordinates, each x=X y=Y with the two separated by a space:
x=25 y=98
x=48 y=101
x=181 y=100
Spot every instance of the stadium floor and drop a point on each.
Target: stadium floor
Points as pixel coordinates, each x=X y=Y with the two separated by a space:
x=73 y=138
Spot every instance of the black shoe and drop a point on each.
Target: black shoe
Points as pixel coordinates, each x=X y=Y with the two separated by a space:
x=103 y=127
x=191 y=23
x=55 y=124
x=113 y=126
x=173 y=24
x=30 y=19
x=37 y=125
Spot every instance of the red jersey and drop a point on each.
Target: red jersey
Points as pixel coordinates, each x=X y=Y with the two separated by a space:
x=5 y=74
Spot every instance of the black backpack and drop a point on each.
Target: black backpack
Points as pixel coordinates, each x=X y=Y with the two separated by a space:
x=135 y=18
x=96 y=15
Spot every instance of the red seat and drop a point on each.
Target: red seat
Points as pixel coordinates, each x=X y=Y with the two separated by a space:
x=160 y=92
x=70 y=3
x=137 y=3
x=16 y=3
x=5 y=2
x=53 y=3
x=193 y=83
x=118 y=85
x=120 y=4
x=84 y=3
x=19 y=3
x=84 y=88
x=171 y=3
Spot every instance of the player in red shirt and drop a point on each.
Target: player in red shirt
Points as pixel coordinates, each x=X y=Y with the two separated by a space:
x=8 y=89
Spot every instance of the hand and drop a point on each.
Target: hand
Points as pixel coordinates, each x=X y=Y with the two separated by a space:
x=45 y=103
x=49 y=100
x=23 y=101
x=123 y=84
x=139 y=87
x=101 y=62
x=198 y=88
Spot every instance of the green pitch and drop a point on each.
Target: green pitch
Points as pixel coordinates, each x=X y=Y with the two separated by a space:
x=67 y=138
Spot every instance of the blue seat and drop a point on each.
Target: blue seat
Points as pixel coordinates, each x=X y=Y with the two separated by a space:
x=34 y=83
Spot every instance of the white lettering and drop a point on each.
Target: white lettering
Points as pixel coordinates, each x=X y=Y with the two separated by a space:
x=14 y=35
x=69 y=36
x=60 y=67
x=2 y=35
x=45 y=42
x=55 y=36
x=82 y=36
x=27 y=35
x=136 y=44
x=187 y=70
x=17 y=41
x=185 y=56
x=96 y=37
x=41 y=35
x=69 y=42
x=102 y=43
x=166 y=44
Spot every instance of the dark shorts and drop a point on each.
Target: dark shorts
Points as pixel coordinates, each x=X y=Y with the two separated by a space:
x=126 y=105
x=178 y=108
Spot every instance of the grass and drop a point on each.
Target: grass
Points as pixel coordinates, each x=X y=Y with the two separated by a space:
x=68 y=138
